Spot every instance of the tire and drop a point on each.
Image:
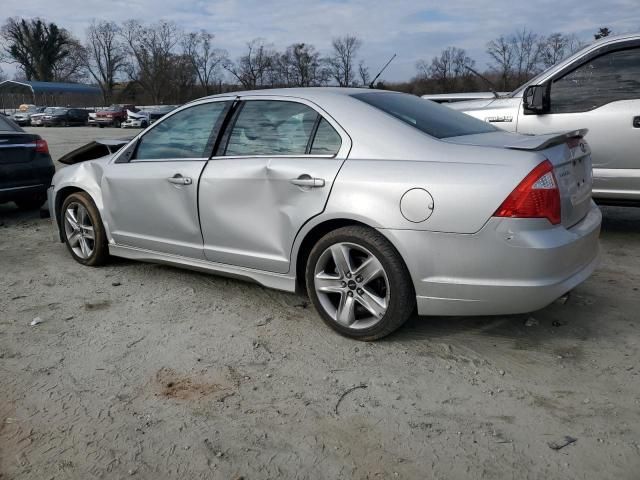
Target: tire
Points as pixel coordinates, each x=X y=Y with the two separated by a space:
x=340 y=294
x=32 y=202
x=76 y=239
x=117 y=123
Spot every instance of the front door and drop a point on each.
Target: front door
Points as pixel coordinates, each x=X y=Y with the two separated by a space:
x=273 y=174
x=603 y=95
x=151 y=200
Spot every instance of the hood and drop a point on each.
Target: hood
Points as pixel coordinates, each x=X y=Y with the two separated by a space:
x=93 y=150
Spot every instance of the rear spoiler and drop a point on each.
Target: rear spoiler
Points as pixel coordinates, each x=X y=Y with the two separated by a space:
x=540 y=142
x=95 y=149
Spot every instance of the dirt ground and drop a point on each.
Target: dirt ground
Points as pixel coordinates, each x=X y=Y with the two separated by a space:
x=148 y=371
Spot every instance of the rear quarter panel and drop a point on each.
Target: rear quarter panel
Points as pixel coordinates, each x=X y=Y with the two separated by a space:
x=465 y=193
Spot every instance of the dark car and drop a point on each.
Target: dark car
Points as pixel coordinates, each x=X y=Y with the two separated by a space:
x=26 y=167
x=65 y=117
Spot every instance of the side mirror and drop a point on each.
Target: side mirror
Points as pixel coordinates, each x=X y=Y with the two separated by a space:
x=536 y=99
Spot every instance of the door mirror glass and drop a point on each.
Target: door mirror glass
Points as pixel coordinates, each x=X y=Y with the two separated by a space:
x=536 y=99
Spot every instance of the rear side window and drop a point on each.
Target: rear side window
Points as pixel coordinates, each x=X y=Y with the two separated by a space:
x=611 y=77
x=327 y=141
x=186 y=134
x=271 y=127
x=429 y=117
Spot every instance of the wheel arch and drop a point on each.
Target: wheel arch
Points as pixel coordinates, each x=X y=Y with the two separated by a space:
x=313 y=232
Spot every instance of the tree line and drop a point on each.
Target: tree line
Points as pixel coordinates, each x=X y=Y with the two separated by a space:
x=162 y=63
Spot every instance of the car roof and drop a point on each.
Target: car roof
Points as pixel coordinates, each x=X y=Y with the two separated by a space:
x=308 y=93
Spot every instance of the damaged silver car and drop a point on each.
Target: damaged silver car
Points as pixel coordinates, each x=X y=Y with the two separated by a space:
x=378 y=204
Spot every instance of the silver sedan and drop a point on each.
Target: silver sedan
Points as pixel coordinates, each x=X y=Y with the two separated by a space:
x=378 y=204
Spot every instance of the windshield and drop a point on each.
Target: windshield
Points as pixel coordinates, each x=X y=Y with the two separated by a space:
x=59 y=111
x=49 y=109
x=427 y=116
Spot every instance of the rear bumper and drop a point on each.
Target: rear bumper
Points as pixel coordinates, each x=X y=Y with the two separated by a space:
x=510 y=266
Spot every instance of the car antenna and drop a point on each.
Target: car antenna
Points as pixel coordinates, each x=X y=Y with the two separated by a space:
x=492 y=87
x=371 y=85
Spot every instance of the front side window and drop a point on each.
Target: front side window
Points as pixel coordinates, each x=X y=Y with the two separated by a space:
x=186 y=134
x=427 y=116
x=611 y=77
x=271 y=127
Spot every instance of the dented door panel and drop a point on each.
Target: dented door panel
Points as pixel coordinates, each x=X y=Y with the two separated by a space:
x=250 y=210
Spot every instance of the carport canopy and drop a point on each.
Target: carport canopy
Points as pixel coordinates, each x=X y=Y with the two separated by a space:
x=15 y=92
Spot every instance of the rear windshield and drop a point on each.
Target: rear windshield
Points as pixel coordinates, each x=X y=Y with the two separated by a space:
x=430 y=117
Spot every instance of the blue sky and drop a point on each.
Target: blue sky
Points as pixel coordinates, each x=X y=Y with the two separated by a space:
x=412 y=29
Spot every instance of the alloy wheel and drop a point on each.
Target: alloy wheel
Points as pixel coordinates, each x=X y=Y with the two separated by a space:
x=352 y=285
x=79 y=230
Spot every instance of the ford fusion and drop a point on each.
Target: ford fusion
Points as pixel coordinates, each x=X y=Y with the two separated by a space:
x=378 y=204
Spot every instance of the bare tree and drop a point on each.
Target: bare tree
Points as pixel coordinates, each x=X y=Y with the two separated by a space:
x=553 y=49
x=448 y=70
x=152 y=50
x=527 y=52
x=106 y=56
x=303 y=66
x=365 y=76
x=254 y=69
x=37 y=47
x=343 y=59
x=501 y=51
x=206 y=61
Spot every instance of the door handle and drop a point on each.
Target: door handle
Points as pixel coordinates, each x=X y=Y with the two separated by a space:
x=178 y=179
x=308 y=181
x=636 y=122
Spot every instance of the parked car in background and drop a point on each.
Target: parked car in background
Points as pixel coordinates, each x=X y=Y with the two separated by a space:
x=597 y=88
x=114 y=115
x=157 y=113
x=91 y=120
x=37 y=119
x=65 y=117
x=26 y=167
x=136 y=120
x=377 y=203
x=23 y=118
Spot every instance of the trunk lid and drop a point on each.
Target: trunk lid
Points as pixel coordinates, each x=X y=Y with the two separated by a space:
x=16 y=147
x=571 y=158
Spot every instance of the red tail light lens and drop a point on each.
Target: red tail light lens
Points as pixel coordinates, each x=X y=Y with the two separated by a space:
x=41 y=146
x=537 y=196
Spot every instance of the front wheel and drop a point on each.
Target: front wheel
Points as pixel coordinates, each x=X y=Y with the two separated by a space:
x=83 y=231
x=359 y=283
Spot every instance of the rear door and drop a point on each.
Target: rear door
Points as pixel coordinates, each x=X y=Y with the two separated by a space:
x=151 y=200
x=603 y=95
x=273 y=172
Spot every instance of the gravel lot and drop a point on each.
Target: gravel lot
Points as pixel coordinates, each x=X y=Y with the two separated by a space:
x=154 y=372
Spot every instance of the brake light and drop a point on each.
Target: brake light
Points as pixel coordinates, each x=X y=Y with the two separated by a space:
x=41 y=146
x=537 y=196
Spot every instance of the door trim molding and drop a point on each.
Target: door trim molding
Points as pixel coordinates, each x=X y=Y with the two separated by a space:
x=267 y=279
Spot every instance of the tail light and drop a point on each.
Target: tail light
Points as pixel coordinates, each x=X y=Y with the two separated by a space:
x=537 y=196
x=41 y=146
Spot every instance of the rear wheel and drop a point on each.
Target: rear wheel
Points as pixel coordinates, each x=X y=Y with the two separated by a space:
x=83 y=231
x=359 y=284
